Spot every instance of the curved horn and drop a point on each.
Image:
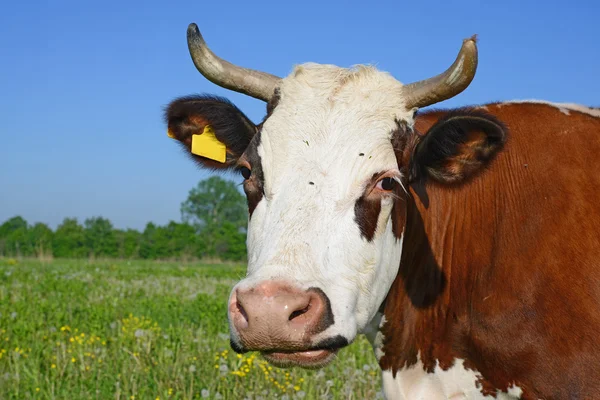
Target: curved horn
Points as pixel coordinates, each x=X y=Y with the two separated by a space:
x=447 y=84
x=257 y=84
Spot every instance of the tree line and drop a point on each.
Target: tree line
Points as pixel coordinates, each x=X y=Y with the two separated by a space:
x=213 y=226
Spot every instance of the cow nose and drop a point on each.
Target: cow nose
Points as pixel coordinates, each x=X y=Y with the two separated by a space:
x=278 y=315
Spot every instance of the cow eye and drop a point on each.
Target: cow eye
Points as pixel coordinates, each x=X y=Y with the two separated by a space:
x=386 y=184
x=245 y=172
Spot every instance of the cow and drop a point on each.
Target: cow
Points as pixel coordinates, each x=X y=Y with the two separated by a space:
x=464 y=243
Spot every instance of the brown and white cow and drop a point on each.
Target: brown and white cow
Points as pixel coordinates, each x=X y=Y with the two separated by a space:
x=464 y=243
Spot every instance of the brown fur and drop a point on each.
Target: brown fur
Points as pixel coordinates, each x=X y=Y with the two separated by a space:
x=367 y=209
x=253 y=187
x=503 y=271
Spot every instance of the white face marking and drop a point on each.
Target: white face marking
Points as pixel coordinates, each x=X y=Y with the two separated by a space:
x=565 y=108
x=332 y=127
x=455 y=383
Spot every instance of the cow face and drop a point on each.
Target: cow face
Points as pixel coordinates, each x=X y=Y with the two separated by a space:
x=320 y=231
x=322 y=180
x=325 y=175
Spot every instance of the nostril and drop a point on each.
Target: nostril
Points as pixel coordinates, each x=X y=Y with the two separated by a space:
x=241 y=310
x=298 y=313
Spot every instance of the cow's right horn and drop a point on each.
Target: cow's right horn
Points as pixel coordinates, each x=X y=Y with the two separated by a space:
x=447 y=84
x=260 y=85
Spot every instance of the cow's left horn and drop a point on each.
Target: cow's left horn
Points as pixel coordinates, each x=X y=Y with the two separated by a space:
x=447 y=84
x=257 y=84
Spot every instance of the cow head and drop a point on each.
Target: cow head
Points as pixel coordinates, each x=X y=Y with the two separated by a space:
x=325 y=175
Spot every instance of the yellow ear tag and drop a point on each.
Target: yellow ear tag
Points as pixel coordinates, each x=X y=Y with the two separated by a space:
x=207 y=145
x=169 y=134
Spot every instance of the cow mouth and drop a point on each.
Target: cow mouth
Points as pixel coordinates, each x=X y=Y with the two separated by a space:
x=310 y=359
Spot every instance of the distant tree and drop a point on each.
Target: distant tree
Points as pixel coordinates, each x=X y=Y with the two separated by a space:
x=214 y=225
x=219 y=214
x=230 y=242
x=100 y=237
x=214 y=201
x=182 y=241
x=128 y=243
x=175 y=240
x=160 y=243
x=14 y=240
x=147 y=242
x=40 y=239
x=12 y=224
x=132 y=243
x=69 y=240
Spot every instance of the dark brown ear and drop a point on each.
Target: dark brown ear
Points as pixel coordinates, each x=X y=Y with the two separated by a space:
x=211 y=129
x=457 y=147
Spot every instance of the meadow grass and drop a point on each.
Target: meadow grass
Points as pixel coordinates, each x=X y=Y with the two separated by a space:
x=145 y=330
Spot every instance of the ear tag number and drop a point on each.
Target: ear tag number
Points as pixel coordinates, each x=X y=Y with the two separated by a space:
x=207 y=145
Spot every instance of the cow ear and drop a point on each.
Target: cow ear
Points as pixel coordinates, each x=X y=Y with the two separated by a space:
x=457 y=147
x=211 y=129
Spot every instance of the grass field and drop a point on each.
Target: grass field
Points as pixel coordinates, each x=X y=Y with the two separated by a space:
x=144 y=330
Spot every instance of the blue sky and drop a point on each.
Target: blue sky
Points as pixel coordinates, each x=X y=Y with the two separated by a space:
x=83 y=83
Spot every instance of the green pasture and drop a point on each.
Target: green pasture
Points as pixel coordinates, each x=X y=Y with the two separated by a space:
x=144 y=330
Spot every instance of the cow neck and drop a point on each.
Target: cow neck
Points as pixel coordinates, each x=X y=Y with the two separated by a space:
x=420 y=321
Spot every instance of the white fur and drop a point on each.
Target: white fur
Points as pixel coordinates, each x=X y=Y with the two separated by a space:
x=565 y=108
x=456 y=383
x=375 y=336
x=307 y=234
